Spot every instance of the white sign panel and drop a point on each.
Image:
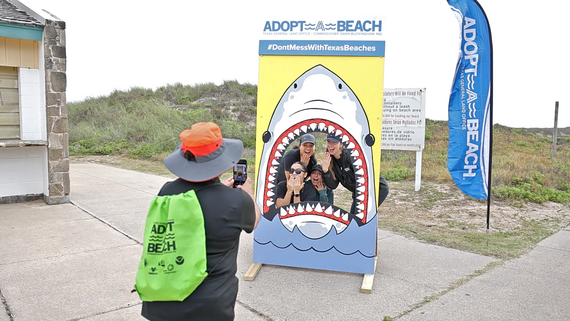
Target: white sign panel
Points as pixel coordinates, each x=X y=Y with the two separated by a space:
x=403 y=119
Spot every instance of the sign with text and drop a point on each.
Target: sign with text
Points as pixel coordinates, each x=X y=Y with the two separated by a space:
x=403 y=119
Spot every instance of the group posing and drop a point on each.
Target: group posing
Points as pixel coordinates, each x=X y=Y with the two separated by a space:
x=336 y=167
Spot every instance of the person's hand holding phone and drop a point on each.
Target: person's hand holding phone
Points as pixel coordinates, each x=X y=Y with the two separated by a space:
x=247 y=187
x=240 y=172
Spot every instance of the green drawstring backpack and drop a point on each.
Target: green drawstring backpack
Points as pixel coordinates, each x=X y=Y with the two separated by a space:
x=173 y=263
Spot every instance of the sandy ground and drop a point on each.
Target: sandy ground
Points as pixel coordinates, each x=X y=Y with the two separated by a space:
x=435 y=203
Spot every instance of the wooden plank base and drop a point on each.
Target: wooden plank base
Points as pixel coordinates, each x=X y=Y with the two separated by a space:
x=368 y=280
x=252 y=272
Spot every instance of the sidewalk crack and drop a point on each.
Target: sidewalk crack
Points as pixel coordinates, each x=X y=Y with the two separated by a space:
x=252 y=310
x=454 y=285
x=6 y=306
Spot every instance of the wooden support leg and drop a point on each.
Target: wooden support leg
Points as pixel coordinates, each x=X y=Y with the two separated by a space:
x=252 y=272
x=368 y=280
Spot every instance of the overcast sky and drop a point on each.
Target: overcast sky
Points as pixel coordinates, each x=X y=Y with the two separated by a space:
x=122 y=44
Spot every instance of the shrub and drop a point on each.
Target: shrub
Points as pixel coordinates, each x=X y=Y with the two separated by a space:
x=397 y=173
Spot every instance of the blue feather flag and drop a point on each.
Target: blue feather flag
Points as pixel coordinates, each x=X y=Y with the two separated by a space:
x=470 y=103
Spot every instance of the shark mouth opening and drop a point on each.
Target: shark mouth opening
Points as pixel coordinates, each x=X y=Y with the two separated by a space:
x=325 y=214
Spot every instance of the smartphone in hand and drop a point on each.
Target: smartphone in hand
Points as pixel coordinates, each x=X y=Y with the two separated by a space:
x=240 y=172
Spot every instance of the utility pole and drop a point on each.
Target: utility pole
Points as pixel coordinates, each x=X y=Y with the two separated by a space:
x=555 y=133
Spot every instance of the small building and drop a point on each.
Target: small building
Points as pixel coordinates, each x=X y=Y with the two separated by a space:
x=34 y=141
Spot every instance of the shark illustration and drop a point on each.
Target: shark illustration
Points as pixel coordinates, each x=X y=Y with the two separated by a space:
x=318 y=101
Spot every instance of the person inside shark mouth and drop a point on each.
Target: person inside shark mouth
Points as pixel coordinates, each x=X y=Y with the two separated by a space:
x=326 y=194
x=295 y=189
x=338 y=168
x=304 y=152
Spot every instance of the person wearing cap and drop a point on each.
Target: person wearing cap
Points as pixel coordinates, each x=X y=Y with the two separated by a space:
x=295 y=189
x=338 y=168
x=199 y=161
x=326 y=194
x=304 y=152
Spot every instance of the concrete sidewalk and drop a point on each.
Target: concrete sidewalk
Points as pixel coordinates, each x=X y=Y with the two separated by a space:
x=78 y=262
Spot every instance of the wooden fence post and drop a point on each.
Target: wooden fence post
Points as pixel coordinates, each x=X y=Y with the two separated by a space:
x=555 y=133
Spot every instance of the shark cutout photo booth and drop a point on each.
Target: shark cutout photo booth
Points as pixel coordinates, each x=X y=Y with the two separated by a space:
x=321 y=92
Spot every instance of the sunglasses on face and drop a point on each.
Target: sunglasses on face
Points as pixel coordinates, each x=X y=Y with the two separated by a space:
x=296 y=171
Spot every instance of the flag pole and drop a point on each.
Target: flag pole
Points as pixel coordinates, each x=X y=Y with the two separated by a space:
x=470 y=151
x=490 y=122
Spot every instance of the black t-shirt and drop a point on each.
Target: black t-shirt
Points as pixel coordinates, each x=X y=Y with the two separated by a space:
x=227 y=211
x=288 y=159
x=308 y=192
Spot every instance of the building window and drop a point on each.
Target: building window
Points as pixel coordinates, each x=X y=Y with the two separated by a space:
x=9 y=103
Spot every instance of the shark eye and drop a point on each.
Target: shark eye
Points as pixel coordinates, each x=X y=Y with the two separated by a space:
x=295 y=85
x=369 y=139
x=339 y=86
x=266 y=137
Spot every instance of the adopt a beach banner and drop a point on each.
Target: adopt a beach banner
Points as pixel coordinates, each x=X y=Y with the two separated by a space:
x=470 y=103
x=319 y=75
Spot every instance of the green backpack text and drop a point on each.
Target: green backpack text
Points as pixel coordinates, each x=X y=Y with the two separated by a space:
x=173 y=263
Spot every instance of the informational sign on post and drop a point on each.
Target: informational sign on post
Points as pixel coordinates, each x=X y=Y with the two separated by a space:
x=404 y=123
x=403 y=119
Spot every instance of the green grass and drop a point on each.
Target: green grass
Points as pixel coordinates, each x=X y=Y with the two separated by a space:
x=145 y=123
x=504 y=245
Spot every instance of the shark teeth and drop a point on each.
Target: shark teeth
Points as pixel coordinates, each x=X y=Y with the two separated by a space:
x=319 y=212
x=304 y=224
x=318 y=208
x=349 y=142
x=336 y=213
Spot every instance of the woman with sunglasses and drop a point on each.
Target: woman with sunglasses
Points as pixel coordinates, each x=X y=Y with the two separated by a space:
x=295 y=189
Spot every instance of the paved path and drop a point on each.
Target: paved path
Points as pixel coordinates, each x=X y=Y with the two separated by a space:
x=78 y=262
